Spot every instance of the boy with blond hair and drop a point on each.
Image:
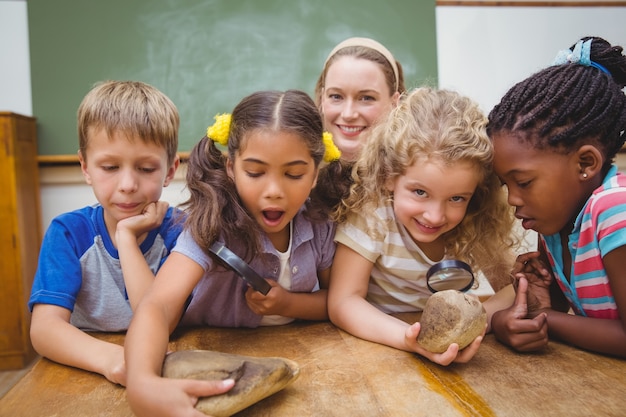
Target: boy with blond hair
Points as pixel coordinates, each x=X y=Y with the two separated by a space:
x=97 y=262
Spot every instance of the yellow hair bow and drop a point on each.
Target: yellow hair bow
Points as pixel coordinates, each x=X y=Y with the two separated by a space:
x=218 y=132
x=332 y=152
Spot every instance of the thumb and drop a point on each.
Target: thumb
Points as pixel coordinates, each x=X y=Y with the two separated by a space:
x=413 y=331
x=206 y=388
x=149 y=208
x=520 y=305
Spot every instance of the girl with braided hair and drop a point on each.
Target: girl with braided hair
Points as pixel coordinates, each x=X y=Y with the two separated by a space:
x=555 y=137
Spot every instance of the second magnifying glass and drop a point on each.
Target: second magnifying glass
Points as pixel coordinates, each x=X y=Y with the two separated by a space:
x=450 y=274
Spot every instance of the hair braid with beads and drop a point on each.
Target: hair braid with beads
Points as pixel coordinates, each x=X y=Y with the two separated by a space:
x=565 y=106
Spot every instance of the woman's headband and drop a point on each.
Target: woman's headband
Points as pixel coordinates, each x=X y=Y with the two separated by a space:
x=372 y=44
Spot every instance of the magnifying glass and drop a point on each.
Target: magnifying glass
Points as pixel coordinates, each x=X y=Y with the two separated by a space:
x=449 y=274
x=238 y=265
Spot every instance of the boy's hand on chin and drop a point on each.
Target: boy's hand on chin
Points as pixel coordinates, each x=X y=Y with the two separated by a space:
x=151 y=218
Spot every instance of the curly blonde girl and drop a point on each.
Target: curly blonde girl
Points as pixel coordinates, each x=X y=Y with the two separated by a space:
x=444 y=127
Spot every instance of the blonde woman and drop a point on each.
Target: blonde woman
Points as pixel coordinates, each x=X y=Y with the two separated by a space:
x=360 y=83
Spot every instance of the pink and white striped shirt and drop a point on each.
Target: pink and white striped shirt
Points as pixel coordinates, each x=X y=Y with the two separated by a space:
x=599 y=228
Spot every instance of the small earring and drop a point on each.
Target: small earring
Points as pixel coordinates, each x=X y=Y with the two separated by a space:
x=585 y=175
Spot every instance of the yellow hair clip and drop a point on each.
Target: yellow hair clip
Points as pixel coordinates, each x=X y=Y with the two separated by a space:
x=332 y=152
x=218 y=132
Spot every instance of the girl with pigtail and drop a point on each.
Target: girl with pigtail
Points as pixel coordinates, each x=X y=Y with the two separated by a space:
x=555 y=136
x=253 y=199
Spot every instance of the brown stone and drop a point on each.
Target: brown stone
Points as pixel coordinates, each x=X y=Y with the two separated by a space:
x=255 y=377
x=451 y=316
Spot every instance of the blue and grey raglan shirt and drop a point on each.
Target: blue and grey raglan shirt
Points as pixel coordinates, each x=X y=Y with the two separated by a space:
x=79 y=268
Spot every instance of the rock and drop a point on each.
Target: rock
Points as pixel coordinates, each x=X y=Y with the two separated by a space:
x=451 y=316
x=255 y=378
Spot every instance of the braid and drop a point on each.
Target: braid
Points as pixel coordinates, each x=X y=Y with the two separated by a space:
x=611 y=57
x=567 y=105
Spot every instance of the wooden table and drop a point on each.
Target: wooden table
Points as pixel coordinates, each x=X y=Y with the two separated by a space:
x=345 y=376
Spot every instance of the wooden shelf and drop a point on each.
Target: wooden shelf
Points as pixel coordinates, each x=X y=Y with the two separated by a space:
x=20 y=236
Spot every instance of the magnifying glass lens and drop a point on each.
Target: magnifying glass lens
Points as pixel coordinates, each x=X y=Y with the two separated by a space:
x=450 y=275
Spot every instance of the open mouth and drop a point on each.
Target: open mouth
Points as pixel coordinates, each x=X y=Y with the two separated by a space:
x=528 y=223
x=273 y=217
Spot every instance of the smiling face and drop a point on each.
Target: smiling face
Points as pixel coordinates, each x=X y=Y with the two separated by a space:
x=125 y=174
x=545 y=187
x=431 y=199
x=274 y=174
x=355 y=97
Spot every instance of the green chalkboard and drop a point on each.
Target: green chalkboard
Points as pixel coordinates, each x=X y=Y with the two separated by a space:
x=205 y=55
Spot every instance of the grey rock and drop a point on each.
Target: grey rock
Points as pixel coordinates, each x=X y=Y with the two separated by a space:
x=255 y=377
x=451 y=316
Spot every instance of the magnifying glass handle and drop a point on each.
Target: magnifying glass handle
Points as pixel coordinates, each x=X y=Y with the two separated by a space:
x=240 y=267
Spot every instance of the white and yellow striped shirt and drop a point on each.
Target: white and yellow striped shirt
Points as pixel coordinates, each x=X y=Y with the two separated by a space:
x=398 y=278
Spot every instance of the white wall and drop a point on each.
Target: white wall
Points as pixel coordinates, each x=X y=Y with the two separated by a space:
x=483 y=51
x=15 y=89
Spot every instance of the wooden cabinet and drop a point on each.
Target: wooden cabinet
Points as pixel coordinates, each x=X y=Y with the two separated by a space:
x=20 y=235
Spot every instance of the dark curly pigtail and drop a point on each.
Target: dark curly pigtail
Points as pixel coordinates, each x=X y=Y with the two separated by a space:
x=333 y=185
x=214 y=206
